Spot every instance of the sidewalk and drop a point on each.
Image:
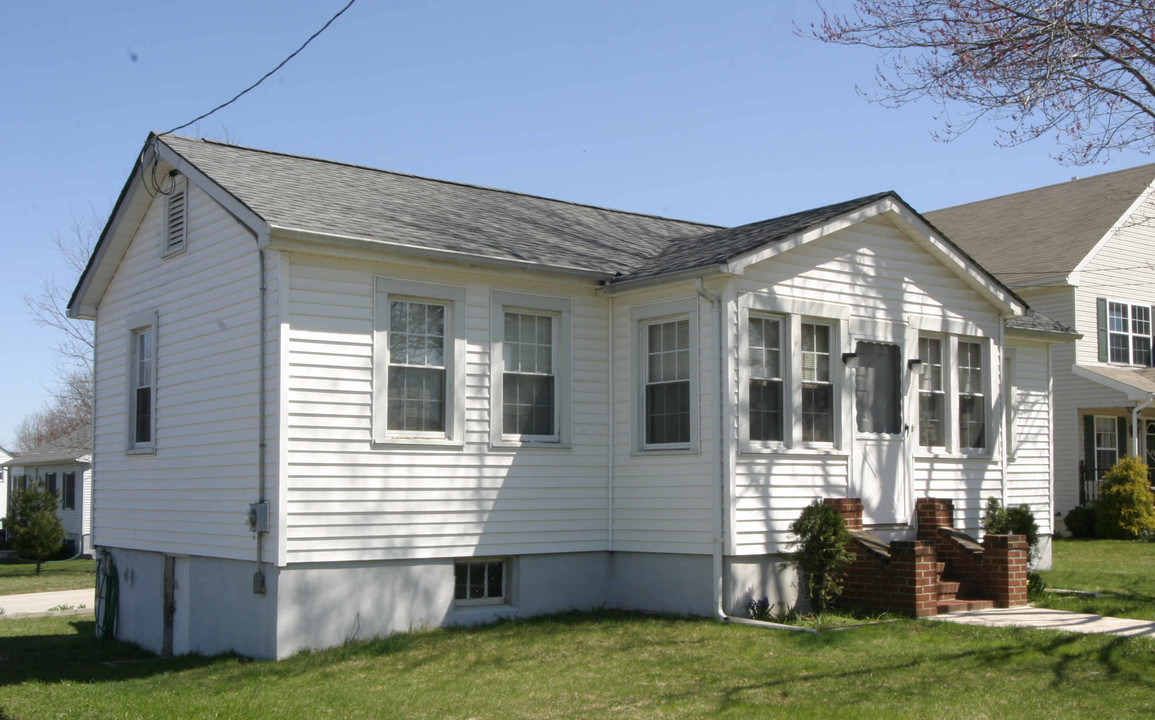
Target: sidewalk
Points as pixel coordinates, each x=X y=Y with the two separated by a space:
x=1046 y=619
x=42 y=603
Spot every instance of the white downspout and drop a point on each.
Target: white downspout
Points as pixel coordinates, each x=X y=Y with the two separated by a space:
x=1135 y=422
x=610 y=423
x=720 y=495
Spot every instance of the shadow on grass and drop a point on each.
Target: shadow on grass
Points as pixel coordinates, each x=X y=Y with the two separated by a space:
x=80 y=657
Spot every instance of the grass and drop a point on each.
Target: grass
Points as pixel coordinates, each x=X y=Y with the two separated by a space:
x=594 y=665
x=18 y=577
x=1122 y=572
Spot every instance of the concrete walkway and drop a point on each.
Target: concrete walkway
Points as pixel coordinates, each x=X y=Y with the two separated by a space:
x=42 y=603
x=1045 y=619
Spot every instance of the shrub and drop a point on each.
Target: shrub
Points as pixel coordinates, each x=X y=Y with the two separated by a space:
x=1035 y=586
x=821 y=555
x=1080 y=521
x=1018 y=520
x=1125 y=508
x=36 y=531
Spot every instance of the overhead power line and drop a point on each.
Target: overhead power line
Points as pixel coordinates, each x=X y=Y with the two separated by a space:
x=267 y=75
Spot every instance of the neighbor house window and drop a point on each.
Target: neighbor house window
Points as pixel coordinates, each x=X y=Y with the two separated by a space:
x=1106 y=444
x=765 y=386
x=50 y=483
x=931 y=396
x=480 y=582
x=817 y=387
x=971 y=403
x=142 y=383
x=1129 y=333
x=418 y=376
x=664 y=338
x=530 y=363
x=69 y=496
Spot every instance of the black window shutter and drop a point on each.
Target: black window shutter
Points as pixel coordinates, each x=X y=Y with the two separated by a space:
x=1101 y=310
x=1121 y=437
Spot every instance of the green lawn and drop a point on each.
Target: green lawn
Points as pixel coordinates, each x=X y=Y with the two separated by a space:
x=1122 y=572
x=594 y=665
x=20 y=577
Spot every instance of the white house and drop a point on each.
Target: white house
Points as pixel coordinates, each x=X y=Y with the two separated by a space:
x=5 y=456
x=1082 y=252
x=336 y=402
x=64 y=466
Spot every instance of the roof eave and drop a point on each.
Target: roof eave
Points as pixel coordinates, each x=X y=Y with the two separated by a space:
x=1129 y=391
x=297 y=239
x=624 y=285
x=1051 y=336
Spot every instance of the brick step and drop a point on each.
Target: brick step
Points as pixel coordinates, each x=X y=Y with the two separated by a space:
x=963 y=605
x=947 y=590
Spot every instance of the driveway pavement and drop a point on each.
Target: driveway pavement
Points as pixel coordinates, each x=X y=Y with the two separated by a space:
x=1045 y=619
x=41 y=603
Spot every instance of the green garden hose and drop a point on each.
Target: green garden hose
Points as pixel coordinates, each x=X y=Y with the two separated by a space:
x=108 y=594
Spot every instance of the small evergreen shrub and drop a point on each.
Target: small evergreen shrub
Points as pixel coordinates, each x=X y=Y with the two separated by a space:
x=1125 y=509
x=1080 y=521
x=1018 y=520
x=821 y=555
x=36 y=531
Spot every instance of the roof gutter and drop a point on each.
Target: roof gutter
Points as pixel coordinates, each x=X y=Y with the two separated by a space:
x=618 y=286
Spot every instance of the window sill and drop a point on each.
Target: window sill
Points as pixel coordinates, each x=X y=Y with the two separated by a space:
x=417 y=442
x=983 y=456
x=173 y=251
x=664 y=451
x=755 y=450
x=530 y=445
x=140 y=450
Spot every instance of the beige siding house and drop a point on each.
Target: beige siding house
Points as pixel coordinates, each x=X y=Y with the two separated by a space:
x=1083 y=253
x=335 y=402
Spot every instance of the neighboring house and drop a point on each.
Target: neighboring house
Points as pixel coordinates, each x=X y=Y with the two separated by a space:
x=5 y=456
x=66 y=467
x=337 y=402
x=1083 y=252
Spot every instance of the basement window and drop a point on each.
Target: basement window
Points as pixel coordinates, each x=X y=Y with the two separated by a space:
x=479 y=582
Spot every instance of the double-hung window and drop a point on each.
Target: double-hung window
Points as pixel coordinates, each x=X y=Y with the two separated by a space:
x=931 y=394
x=50 y=483
x=790 y=373
x=766 y=387
x=1125 y=332
x=418 y=362
x=530 y=370
x=68 y=500
x=817 y=385
x=971 y=398
x=142 y=383
x=665 y=343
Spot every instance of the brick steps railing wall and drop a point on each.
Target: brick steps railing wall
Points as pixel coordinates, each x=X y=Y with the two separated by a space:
x=906 y=576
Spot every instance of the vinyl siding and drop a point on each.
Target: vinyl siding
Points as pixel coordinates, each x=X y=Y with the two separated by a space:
x=191 y=496
x=1028 y=473
x=350 y=499
x=878 y=274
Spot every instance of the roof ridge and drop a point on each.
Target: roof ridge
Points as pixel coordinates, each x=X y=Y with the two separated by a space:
x=1090 y=178
x=471 y=186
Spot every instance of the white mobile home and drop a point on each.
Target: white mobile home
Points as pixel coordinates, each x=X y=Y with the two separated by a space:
x=1081 y=252
x=333 y=401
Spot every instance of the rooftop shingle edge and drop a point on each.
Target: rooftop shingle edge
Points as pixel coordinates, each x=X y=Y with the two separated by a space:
x=1035 y=321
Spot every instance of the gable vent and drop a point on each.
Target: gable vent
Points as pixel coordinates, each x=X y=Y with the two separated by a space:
x=175 y=229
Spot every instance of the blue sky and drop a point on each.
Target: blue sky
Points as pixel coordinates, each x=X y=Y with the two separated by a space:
x=713 y=112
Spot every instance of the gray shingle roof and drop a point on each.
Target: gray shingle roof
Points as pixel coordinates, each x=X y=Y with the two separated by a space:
x=1037 y=322
x=1044 y=232
x=335 y=198
x=339 y=199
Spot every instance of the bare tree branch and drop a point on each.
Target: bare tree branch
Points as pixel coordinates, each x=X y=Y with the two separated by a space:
x=1081 y=69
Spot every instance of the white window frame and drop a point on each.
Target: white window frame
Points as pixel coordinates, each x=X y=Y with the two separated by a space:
x=946 y=383
x=642 y=317
x=984 y=393
x=792 y=314
x=951 y=333
x=452 y=298
x=505 y=598
x=176 y=202
x=138 y=325
x=1011 y=403
x=560 y=310
x=1129 y=333
x=1113 y=421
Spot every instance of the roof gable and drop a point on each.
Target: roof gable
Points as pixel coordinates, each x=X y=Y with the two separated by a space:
x=1062 y=223
x=291 y=199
